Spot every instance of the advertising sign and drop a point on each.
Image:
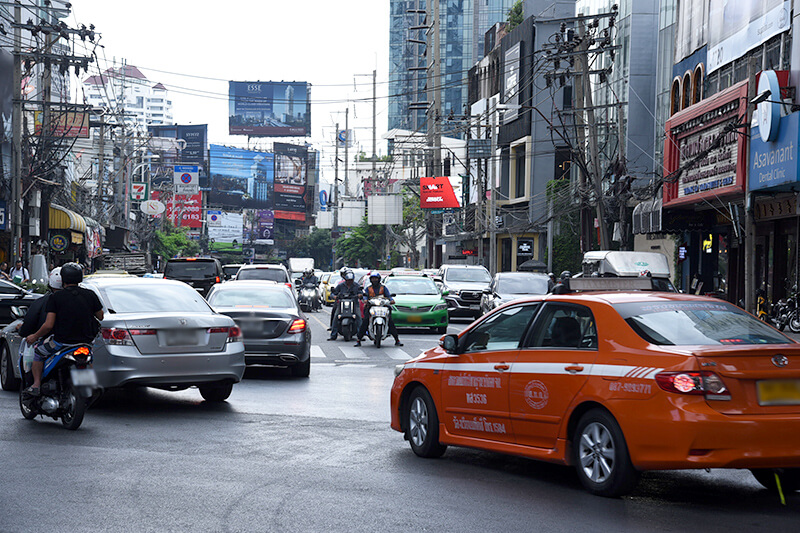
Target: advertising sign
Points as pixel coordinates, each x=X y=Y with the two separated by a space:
x=259 y=226
x=775 y=163
x=737 y=26
x=6 y=93
x=186 y=179
x=269 y=109
x=138 y=191
x=240 y=178
x=64 y=123
x=195 y=137
x=225 y=227
x=511 y=81
x=290 y=181
x=716 y=170
x=438 y=193
x=525 y=248
x=3 y=217
x=188 y=208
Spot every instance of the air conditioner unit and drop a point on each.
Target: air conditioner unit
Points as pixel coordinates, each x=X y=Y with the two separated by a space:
x=33 y=227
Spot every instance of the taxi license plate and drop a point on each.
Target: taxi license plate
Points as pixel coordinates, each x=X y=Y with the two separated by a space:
x=180 y=337
x=415 y=319
x=778 y=392
x=83 y=377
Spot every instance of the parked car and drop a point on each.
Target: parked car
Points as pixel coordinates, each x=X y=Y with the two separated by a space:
x=161 y=334
x=202 y=273
x=327 y=283
x=273 y=326
x=276 y=273
x=464 y=285
x=613 y=384
x=418 y=303
x=508 y=286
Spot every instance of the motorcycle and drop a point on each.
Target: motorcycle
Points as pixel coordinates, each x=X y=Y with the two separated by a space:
x=68 y=383
x=308 y=297
x=347 y=318
x=784 y=313
x=379 y=311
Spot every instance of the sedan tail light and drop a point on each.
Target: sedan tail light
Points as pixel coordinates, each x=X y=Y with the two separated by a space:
x=121 y=336
x=234 y=332
x=298 y=326
x=706 y=384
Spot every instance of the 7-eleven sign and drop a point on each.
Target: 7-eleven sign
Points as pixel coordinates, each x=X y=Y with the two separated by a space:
x=138 y=191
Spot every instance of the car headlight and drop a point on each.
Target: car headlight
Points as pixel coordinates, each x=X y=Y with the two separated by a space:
x=440 y=307
x=398 y=369
x=455 y=293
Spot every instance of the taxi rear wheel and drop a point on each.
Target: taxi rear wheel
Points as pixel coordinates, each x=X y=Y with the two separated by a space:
x=422 y=425
x=789 y=477
x=600 y=455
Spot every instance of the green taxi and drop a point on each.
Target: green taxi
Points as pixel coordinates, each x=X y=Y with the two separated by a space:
x=418 y=303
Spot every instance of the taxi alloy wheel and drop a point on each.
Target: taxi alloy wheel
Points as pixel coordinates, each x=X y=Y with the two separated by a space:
x=601 y=455
x=422 y=425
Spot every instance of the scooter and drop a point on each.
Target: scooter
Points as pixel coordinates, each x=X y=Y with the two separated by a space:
x=379 y=311
x=68 y=383
x=348 y=320
x=308 y=297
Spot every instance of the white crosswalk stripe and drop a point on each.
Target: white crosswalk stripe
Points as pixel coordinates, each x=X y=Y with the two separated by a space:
x=316 y=352
x=352 y=352
x=397 y=353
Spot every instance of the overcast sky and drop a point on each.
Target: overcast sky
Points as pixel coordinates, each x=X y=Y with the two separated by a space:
x=323 y=42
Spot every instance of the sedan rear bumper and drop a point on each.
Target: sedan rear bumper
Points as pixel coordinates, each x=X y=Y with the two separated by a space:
x=275 y=352
x=117 y=366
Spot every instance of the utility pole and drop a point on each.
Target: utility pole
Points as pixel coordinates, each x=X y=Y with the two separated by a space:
x=335 y=190
x=16 y=172
x=346 y=145
x=492 y=226
x=101 y=158
x=374 y=127
x=434 y=111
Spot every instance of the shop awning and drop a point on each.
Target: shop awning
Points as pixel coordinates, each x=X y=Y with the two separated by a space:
x=63 y=218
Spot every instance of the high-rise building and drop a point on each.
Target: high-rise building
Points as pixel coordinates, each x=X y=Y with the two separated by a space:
x=463 y=24
x=144 y=101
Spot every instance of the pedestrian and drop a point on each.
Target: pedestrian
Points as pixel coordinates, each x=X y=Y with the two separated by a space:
x=19 y=274
x=4 y=271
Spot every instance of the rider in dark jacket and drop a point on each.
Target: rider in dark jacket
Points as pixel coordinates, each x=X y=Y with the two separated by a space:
x=348 y=289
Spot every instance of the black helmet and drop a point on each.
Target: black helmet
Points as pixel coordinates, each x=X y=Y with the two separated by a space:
x=71 y=273
x=566 y=274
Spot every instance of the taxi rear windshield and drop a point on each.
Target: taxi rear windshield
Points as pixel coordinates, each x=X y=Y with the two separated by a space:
x=697 y=323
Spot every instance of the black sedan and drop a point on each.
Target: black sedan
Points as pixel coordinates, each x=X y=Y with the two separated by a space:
x=508 y=286
x=274 y=328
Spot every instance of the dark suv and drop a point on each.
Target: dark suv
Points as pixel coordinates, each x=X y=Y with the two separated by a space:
x=464 y=285
x=202 y=273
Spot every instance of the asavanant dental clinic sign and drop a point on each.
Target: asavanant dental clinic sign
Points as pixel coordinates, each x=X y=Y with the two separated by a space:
x=775 y=163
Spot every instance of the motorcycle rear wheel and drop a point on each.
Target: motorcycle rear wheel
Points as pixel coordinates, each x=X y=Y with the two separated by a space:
x=27 y=414
x=794 y=322
x=73 y=417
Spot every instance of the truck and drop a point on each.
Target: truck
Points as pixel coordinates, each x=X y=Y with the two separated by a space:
x=297 y=265
x=627 y=264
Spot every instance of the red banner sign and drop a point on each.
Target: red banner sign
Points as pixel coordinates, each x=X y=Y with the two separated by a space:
x=189 y=208
x=437 y=193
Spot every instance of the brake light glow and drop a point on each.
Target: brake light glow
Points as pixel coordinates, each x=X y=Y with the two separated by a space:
x=706 y=384
x=235 y=334
x=83 y=350
x=289 y=285
x=217 y=279
x=298 y=326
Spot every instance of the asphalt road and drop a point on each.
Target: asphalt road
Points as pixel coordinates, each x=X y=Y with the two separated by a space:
x=317 y=454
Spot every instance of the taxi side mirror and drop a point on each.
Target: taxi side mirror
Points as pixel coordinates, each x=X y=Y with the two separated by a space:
x=450 y=343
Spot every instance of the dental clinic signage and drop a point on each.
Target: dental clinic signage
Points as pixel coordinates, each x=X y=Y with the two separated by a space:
x=705 y=152
x=774 y=164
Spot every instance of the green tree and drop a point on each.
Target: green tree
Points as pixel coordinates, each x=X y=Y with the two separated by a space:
x=172 y=241
x=412 y=229
x=515 y=15
x=320 y=247
x=566 y=239
x=363 y=246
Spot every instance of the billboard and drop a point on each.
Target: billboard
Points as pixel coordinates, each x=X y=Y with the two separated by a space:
x=64 y=123
x=240 y=178
x=259 y=226
x=6 y=94
x=439 y=193
x=195 y=137
x=269 y=108
x=188 y=208
x=224 y=226
x=291 y=178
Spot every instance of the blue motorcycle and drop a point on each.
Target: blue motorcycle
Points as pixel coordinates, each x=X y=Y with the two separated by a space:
x=68 y=383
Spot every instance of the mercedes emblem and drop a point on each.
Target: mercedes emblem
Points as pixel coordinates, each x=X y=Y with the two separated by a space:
x=780 y=360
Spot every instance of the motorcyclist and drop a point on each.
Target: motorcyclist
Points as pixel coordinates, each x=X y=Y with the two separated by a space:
x=348 y=289
x=36 y=315
x=72 y=315
x=562 y=287
x=309 y=278
x=376 y=288
x=342 y=273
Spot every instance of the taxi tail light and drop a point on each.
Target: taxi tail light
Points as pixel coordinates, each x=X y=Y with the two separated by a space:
x=121 y=336
x=706 y=384
x=298 y=326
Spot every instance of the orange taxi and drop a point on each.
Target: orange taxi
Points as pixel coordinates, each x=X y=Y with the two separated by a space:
x=612 y=383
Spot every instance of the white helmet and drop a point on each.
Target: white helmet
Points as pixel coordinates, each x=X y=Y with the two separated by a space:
x=55 y=278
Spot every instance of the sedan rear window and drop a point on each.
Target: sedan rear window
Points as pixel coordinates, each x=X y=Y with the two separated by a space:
x=250 y=298
x=268 y=274
x=135 y=298
x=697 y=323
x=190 y=269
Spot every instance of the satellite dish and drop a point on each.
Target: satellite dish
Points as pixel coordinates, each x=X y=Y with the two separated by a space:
x=152 y=207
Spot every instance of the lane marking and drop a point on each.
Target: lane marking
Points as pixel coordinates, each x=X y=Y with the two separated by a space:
x=397 y=353
x=352 y=352
x=316 y=352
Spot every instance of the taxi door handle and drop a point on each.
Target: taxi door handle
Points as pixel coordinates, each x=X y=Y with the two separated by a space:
x=573 y=369
x=502 y=367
